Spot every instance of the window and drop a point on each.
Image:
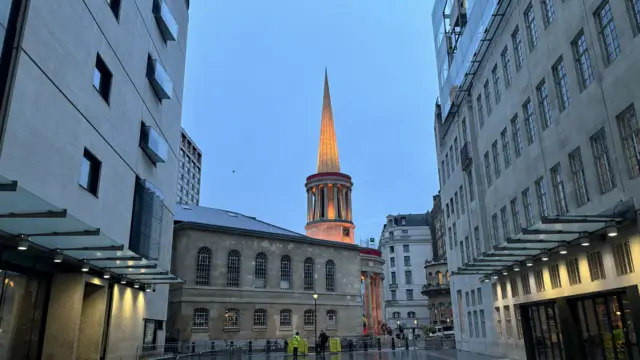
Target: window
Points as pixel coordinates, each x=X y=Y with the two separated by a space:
x=332 y=318
x=166 y=23
x=330 y=275
x=480 y=111
x=579 y=177
x=495 y=75
x=526 y=284
x=455 y=233
x=494 y=290
x=462 y=258
x=475 y=323
x=442 y=172
x=517 y=137
x=558 y=190
x=396 y=315
x=532 y=28
x=285 y=317
x=518 y=53
x=496 y=158
x=146 y=221
x=159 y=79
x=504 y=140
x=309 y=274
x=470 y=324
x=543 y=104
x=446 y=159
x=150 y=334
x=539 y=279
x=630 y=136
x=393 y=277
x=473 y=297
x=260 y=318
x=603 y=164
x=554 y=274
x=515 y=216
x=506 y=66
x=596 y=267
x=528 y=209
x=391 y=249
x=541 y=194
x=457 y=207
x=153 y=145
x=393 y=295
x=487 y=98
x=472 y=195
x=90 y=172
x=102 y=78
x=573 y=270
x=285 y=273
x=408 y=278
x=487 y=169
x=498 y=322
x=411 y=315
x=562 y=84
x=516 y=309
x=450 y=239
x=309 y=317
x=405 y=248
x=468 y=249
x=503 y=289
x=476 y=235
x=479 y=294
x=233 y=269
x=529 y=121
x=607 y=32
x=456 y=150
x=582 y=60
x=462 y=207
x=634 y=10
x=514 y=287
x=231 y=318
x=203 y=267
x=114 y=5
x=507 y=322
x=495 y=233
x=409 y=293
x=392 y=262
x=506 y=231
x=200 y=318
x=261 y=271
x=407 y=260
x=549 y=11
x=483 y=326
x=622 y=258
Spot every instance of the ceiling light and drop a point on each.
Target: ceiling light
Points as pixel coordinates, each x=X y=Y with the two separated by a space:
x=147 y=288
x=494 y=276
x=486 y=278
x=544 y=255
x=23 y=242
x=136 y=284
x=57 y=258
x=123 y=281
x=562 y=250
x=107 y=274
x=516 y=267
x=584 y=241
x=85 y=266
x=505 y=272
x=529 y=262
x=612 y=229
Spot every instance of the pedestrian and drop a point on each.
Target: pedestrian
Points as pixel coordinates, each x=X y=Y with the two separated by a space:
x=295 y=341
x=324 y=339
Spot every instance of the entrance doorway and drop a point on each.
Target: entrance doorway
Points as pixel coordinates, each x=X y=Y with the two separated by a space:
x=543 y=323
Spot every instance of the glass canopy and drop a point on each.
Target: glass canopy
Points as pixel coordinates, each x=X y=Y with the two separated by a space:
x=24 y=216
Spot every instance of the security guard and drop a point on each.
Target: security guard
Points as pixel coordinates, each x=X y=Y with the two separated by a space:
x=295 y=341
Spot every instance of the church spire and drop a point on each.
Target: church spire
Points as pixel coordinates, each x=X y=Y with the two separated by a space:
x=328 y=160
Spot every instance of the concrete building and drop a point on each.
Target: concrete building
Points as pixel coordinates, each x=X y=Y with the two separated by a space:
x=91 y=95
x=538 y=161
x=249 y=280
x=189 y=171
x=405 y=243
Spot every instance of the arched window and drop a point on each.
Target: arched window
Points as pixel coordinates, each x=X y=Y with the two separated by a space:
x=260 y=318
x=231 y=318
x=411 y=315
x=396 y=315
x=285 y=317
x=438 y=277
x=332 y=318
x=309 y=275
x=285 y=273
x=330 y=274
x=233 y=269
x=309 y=317
x=200 y=318
x=203 y=267
x=261 y=271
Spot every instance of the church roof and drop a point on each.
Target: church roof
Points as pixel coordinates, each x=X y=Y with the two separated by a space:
x=328 y=160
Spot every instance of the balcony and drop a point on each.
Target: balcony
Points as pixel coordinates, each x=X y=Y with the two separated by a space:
x=393 y=286
x=465 y=156
x=435 y=289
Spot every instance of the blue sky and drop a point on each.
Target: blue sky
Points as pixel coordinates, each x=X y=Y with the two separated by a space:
x=253 y=97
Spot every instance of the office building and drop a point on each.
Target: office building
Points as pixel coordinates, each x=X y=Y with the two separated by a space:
x=189 y=171
x=91 y=95
x=539 y=175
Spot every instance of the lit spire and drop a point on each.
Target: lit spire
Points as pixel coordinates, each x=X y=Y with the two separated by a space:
x=328 y=160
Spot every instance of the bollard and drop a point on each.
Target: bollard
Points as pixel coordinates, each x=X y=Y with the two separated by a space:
x=193 y=347
x=350 y=345
x=406 y=343
x=267 y=346
x=365 y=344
x=250 y=346
x=213 y=346
x=379 y=345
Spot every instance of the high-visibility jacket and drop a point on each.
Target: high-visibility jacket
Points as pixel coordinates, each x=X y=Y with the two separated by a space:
x=295 y=340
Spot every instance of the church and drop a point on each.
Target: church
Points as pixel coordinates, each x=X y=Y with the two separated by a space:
x=245 y=279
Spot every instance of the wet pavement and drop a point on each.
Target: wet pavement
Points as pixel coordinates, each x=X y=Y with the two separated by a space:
x=414 y=354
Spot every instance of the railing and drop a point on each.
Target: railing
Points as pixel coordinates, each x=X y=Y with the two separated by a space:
x=465 y=156
x=393 y=285
x=435 y=287
x=440 y=342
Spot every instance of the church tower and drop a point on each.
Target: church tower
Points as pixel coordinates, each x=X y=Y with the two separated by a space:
x=329 y=214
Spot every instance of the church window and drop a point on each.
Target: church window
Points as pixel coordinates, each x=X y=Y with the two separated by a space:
x=309 y=274
x=309 y=317
x=260 y=318
x=203 y=266
x=285 y=317
x=330 y=270
x=231 y=318
x=332 y=318
x=233 y=269
x=200 y=318
x=285 y=273
x=261 y=271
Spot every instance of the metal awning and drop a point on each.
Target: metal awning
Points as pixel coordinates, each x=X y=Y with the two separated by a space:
x=26 y=217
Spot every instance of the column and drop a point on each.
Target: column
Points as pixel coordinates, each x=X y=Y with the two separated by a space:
x=342 y=207
x=349 y=211
x=309 y=205
x=367 y=289
x=326 y=201
x=335 y=201
x=316 y=203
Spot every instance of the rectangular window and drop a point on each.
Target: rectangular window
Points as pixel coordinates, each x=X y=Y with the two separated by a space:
x=90 y=172
x=543 y=104
x=456 y=150
x=554 y=274
x=487 y=98
x=479 y=294
x=146 y=222
x=526 y=284
x=506 y=231
x=473 y=298
x=496 y=83
x=393 y=278
x=467 y=299
x=476 y=235
x=495 y=233
x=579 y=177
x=498 y=322
x=528 y=209
x=450 y=239
x=541 y=195
x=600 y=151
x=407 y=261
x=483 y=326
x=634 y=11
x=529 y=121
x=443 y=175
x=622 y=258
x=562 y=84
x=394 y=295
x=409 y=293
x=539 y=280
x=405 y=248
x=506 y=66
x=596 y=267
x=470 y=324
x=558 y=190
x=467 y=247
x=607 y=31
x=517 y=137
x=392 y=262
x=480 y=111
x=532 y=28
x=630 y=136
x=487 y=169
x=507 y=322
x=462 y=257
x=457 y=202
x=516 y=309
x=159 y=79
x=470 y=181
x=463 y=129
x=408 y=277
x=166 y=23
x=102 y=78
x=582 y=60
x=446 y=159
x=518 y=52
x=515 y=216
x=548 y=11
x=462 y=207
x=496 y=158
x=573 y=270
x=514 y=287
x=506 y=153
x=475 y=323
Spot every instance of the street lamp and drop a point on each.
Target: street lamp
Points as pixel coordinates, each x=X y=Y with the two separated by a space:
x=315 y=319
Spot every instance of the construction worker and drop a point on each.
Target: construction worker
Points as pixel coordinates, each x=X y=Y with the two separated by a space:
x=295 y=341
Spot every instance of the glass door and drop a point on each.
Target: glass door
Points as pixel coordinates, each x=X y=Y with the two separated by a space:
x=545 y=329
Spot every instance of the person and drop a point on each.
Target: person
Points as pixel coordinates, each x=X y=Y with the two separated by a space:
x=324 y=339
x=295 y=341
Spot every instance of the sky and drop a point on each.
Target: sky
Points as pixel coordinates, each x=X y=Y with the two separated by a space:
x=253 y=99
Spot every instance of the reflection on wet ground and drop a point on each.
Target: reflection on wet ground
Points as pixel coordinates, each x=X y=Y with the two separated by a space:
x=414 y=354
